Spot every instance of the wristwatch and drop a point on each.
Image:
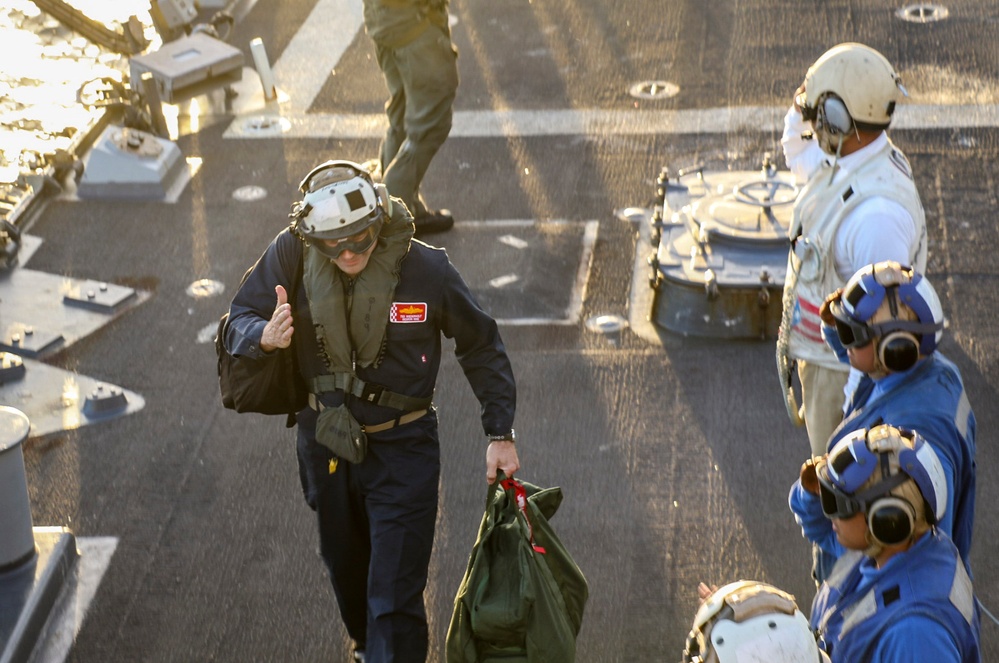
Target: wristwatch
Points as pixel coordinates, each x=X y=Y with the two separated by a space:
x=503 y=437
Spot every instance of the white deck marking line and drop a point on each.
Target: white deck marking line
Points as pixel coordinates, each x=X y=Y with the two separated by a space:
x=497 y=124
x=316 y=49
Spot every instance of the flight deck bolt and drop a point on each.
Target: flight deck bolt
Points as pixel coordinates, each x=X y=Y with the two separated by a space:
x=11 y=367
x=104 y=400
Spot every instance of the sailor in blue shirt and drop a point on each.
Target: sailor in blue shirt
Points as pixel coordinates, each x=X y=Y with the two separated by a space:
x=364 y=306
x=887 y=322
x=901 y=592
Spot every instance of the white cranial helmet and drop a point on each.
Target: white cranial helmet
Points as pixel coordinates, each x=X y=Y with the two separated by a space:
x=750 y=622
x=862 y=78
x=340 y=201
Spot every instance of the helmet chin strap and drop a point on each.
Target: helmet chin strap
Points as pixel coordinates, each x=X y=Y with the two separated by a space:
x=826 y=143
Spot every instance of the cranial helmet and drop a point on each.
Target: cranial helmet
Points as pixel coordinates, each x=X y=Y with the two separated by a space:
x=893 y=305
x=750 y=622
x=340 y=201
x=891 y=475
x=860 y=80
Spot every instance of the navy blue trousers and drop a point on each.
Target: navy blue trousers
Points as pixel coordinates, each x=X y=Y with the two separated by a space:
x=376 y=531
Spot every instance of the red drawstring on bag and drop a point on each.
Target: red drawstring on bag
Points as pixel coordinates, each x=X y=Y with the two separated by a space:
x=520 y=494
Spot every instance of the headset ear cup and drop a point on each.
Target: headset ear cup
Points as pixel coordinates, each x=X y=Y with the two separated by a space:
x=383 y=197
x=898 y=351
x=836 y=117
x=891 y=521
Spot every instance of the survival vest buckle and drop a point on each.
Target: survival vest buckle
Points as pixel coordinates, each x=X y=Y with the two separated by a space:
x=371 y=392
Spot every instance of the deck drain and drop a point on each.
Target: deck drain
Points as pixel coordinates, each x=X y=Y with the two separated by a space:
x=606 y=324
x=203 y=288
x=248 y=194
x=632 y=214
x=266 y=125
x=922 y=13
x=654 y=90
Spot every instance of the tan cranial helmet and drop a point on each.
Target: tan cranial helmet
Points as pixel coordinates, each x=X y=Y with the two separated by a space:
x=750 y=622
x=862 y=78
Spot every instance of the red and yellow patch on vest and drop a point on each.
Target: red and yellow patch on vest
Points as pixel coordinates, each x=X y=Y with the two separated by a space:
x=406 y=312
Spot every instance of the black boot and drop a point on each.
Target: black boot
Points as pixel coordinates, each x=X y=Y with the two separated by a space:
x=432 y=221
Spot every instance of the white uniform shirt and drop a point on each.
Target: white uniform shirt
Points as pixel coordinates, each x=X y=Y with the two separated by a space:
x=877 y=229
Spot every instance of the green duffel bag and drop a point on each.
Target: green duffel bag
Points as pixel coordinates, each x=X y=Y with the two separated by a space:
x=522 y=597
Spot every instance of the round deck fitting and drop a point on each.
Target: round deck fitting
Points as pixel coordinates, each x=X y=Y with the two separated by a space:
x=654 y=90
x=633 y=214
x=922 y=13
x=266 y=125
x=203 y=288
x=105 y=400
x=249 y=194
x=606 y=324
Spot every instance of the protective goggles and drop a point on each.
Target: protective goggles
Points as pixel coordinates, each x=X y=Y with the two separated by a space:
x=838 y=504
x=356 y=243
x=852 y=334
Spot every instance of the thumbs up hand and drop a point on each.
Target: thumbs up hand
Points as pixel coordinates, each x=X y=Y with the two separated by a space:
x=279 y=329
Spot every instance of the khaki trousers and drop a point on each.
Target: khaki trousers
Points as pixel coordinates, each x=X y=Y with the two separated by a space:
x=822 y=400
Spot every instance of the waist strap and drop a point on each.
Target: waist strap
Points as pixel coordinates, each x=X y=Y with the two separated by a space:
x=402 y=420
x=370 y=393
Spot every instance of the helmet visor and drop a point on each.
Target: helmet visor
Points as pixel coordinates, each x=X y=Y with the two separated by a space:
x=327 y=174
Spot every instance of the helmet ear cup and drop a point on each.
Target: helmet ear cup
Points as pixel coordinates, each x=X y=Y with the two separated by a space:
x=383 y=197
x=891 y=521
x=898 y=351
x=834 y=116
